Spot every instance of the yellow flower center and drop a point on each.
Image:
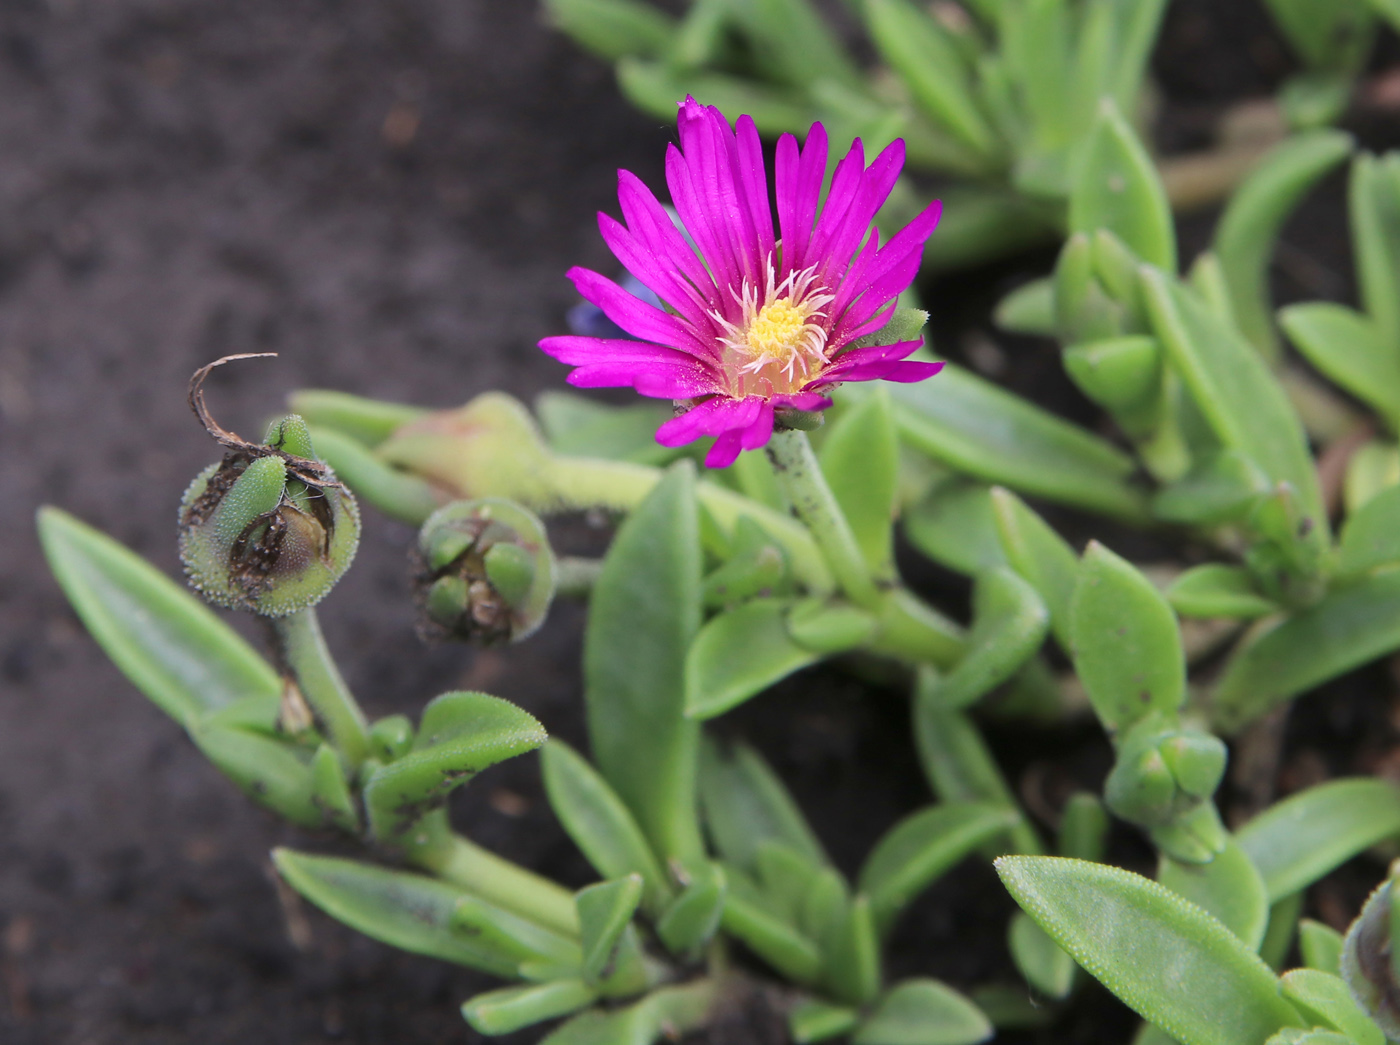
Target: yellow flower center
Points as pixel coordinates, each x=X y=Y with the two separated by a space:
x=777 y=332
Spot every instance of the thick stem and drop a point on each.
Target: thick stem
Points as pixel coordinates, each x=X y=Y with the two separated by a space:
x=304 y=651
x=577 y=575
x=433 y=846
x=801 y=478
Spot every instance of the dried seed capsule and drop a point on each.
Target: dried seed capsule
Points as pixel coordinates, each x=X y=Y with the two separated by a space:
x=486 y=572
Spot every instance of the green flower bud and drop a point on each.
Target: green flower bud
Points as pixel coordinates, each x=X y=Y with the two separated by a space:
x=487 y=573
x=1163 y=772
x=1141 y=788
x=268 y=528
x=1369 y=960
x=1197 y=762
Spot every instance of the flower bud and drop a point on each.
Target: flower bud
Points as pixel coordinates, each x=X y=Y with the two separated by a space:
x=1369 y=960
x=268 y=528
x=487 y=573
x=1163 y=772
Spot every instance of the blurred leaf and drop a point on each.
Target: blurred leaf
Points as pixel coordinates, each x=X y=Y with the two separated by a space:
x=1325 y=1000
x=273 y=772
x=1371 y=536
x=1125 y=641
x=1125 y=929
x=1349 y=349
x=1228 y=887
x=1374 y=199
x=1348 y=628
x=830 y=627
x=1332 y=35
x=811 y=1020
x=331 y=791
x=604 y=912
x=780 y=945
x=419 y=914
x=1299 y=840
x=663 y=1013
x=1083 y=827
x=1222 y=371
x=510 y=1008
x=1216 y=590
x=853 y=955
x=656 y=88
x=924 y=845
x=1040 y=556
x=745 y=803
x=793 y=43
x=1222 y=488
x=923 y=1012
x=1029 y=309
x=1123 y=374
x=613 y=29
x=460 y=735
x=740 y=653
x=398 y=494
x=986 y=432
x=1009 y=625
x=1321 y=946
x=921 y=52
x=1116 y=187
x=955 y=526
x=644 y=615
x=692 y=917
x=367 y=421
x=168 y=643
x=580 y=427
x=599 y=823
x=1374 y=466
x=1249 y=227
x=1038 y=958
x=1279 y=933
x=860 y=460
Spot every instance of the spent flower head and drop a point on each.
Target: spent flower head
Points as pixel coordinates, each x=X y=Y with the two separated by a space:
x=753 y=321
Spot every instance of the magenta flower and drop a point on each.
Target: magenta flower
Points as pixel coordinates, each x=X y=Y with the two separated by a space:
x=754 y=323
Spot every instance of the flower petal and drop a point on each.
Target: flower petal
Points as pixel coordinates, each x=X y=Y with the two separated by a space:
x=799 y=185
x=710 y=417
x=634 y=315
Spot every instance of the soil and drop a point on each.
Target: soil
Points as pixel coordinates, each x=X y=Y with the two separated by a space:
x=387 y=193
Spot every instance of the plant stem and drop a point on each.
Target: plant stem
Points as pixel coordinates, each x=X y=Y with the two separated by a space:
x=801 y=478
x=304 y=649
x=577 y=576
x=435 y=847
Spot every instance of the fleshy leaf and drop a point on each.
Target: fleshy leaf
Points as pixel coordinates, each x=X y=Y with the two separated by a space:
x=1297 y=841
x=1321 y=946
x=643 y=616
x=599 y=823
x=745 y=803
x=460 y=735
x=1040 y=555
x=604 y=912
x=613 y=29
x=1324 y=999
x=853 y=955
x=1217 y=590
x=1349 y=349
x=1229 y=887
x=510 y=1008
x=1009 y=625
x=1126 y=644
x=955 y=525
x=739 y=654
x=1374 y=199
x=420 y=914
x=922 y=847
x=1124 y=930
x=580 y=427
x=991 y=434
x=169 y=644
x=860 y=460
x=692 y=917
x=1038 y=958
x=272 y=772
x=1116 y=187
x=775 y=941
x=923 y=1012
x=1371 y=536
x=1348 y=628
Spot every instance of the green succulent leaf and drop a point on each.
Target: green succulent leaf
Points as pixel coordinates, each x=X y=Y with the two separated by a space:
x=460 y=735
x=613 y=29
x=794 y=43
x=923 y=846
x=1324 y=999
x=692 y=917
x=1038 y=958
x=1116 y=187
x=1222 y=487
x=604 y=912
x=643 y=617
x=422 y=915
x=1125 y=641
x=1297 y=841
x=782 y=946
x=1217 y=590
x=1371 y=536
x=1374 y=199
x=988 y=433
x=1122 y=374
x=1321 y=946
x=664 y=1012
x=510 y=1008
x=1040 y=555
x=1348 y=628
x=1244 y=238
x=745 y=804
x=829 y=627
x=1029 y=309
x=1222 y=370
x=169 y=644
x=860 y=460
x=923 y=1012
x=367 y=421
x=1009 y=624
x=740 y=653
x=853 y=955
x=812 y=1020
x=580 y=427
x=1332 y=36
x=1124 y=930
x=1229 y=887
x=1350 y=349
x=600 y=823
x=273 y=772
x=955 y=525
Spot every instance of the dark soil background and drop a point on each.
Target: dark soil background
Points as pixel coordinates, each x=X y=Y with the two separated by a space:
x=386 y=192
